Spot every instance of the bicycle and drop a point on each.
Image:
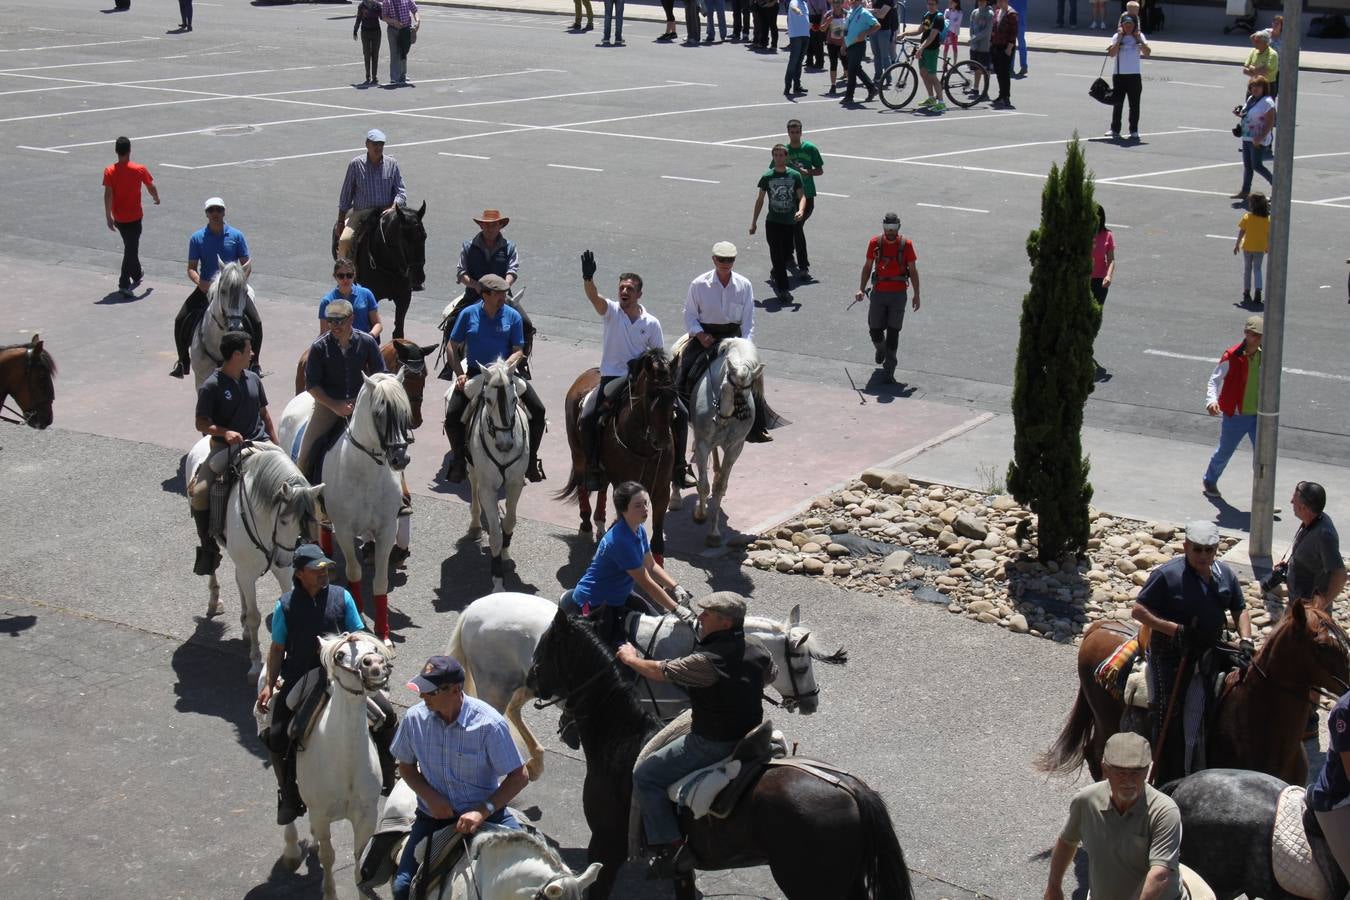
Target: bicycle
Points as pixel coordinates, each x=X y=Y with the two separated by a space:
x=900 y=81
x=959 y=83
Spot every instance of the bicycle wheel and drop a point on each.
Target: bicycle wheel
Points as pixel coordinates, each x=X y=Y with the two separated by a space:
x=897 y=86
x=960 y=83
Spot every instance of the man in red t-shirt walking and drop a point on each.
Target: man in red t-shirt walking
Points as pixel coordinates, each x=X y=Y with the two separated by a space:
x=890 y=267
x=122 y=205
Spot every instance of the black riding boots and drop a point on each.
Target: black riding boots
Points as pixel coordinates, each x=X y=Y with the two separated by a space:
x=208 y=551
x=289 y=805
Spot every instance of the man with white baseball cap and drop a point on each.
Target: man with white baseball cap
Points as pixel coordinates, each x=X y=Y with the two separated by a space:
x=209 y=248
x=373 y=183
x=1183 y=603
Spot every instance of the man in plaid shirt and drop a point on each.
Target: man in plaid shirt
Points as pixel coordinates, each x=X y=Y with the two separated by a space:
x=373 y=184
x=457 y=755
x=403 y=20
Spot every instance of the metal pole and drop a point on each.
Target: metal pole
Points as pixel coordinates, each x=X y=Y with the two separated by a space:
x=1272 y=342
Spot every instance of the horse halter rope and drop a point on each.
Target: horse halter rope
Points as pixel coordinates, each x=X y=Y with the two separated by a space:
x=275 y=548
x=739 y=408
x=387 y=447
x=793 y=700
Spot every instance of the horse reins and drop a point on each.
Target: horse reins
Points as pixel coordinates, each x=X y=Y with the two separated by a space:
x=495 y=429
x=30 y=368
x=365 y=685
x=250 y=528
x=386 y=445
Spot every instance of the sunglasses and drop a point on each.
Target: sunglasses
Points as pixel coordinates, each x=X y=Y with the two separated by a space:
x=215 y=209
x=338 y=320
x=724 y=259
x=1208 y=551
x=344 y=276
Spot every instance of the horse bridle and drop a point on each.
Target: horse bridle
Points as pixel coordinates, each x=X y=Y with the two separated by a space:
x=540 y=894
x=25 y=417
x=222 y=323
x=793 y=700
x=387 y=447
x=1342 y=640
x=354 y=668
x=506 y=411
x=249 y=519
x=739 y=408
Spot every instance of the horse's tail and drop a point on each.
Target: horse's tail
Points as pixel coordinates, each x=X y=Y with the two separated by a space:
x=575 y=481
x=885 y=875
x=1069 y=750
x=456 y=650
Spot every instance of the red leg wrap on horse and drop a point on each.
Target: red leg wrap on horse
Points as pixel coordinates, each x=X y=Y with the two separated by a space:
x=382 y=616
x=355 y=590
x=326 y=542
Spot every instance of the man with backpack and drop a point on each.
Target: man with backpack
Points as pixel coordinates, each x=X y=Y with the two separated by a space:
x=889 y=268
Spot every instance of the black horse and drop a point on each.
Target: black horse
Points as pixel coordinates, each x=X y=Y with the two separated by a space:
x=818 y=839
x=1227 y=816
x=390 y=253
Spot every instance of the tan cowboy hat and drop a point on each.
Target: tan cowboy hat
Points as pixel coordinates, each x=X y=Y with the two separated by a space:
x=494 y=217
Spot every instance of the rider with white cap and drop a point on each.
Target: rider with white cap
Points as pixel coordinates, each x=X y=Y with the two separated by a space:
x=209 y=248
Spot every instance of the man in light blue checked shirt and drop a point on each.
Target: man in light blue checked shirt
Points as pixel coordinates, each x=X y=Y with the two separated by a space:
x=373 y=184
x=457 y=755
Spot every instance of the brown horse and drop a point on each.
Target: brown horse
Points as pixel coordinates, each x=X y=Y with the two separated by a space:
x=398 y=353
x=635 y=442
x=1261 y=714
x=26 y=373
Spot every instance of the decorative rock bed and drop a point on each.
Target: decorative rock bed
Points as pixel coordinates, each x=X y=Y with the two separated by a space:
x=888 y=535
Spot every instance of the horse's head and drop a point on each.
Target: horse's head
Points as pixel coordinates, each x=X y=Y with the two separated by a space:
x=228 y=297
x=501 y=396
x=794 y=651
x=402 y=242
x=548 y=677
x=32 y=387
x=357 y=661
x=284 y=505
x=1308 y=647
x=520 y=864
x=740 y=368
x=297 y=510
x=383 y=408
x=653 y=387
x=412 y=359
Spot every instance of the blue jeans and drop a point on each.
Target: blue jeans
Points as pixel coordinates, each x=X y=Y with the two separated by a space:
x=425 y=826
x=1253 y=160
x=883 y=52
x=1021 y=7
x=614 y=10
x=1251 y=266
x=662 y=769
x=796 y=55
x=719 y=7
x=1231 y=433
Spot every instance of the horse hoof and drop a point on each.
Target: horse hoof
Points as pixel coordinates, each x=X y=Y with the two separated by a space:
x=216 y=608
x=712 y=540
x=676 y=502
x=474 y=534
x=700 y=518
x=585 y=526
x=292 y=863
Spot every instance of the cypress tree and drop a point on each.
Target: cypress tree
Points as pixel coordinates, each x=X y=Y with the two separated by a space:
x=1055 y=368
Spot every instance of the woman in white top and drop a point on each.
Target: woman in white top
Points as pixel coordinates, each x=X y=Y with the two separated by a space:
x=1127 y=48
x=1257 y=131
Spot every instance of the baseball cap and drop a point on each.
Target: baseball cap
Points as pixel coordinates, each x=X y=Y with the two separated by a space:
x=375 y=135
x=438 y=672
x=1202 y=534
x=1255 y=324
x=338 y=309
x=309 y=556
x=724 y=249
x=492 y=283
x=213 y=201
x=1127 y=750
x=727 y=603
x=890 y=219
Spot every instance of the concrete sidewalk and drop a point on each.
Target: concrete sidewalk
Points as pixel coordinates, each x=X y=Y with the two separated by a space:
x=1192 y=34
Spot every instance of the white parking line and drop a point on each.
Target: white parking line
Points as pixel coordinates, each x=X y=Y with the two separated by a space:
x=576 y=168
x=73 y=46
x=827 y=194
x=43 y=149
x=1222 y=237
x=1029 y=143
x=682 y=178
x=1217 y=87
x=1115 y=225
x=1288 y=371
x=463 y=155
x=957 y=208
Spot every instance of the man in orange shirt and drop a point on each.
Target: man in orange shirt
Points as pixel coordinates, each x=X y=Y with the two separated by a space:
x=122 y=205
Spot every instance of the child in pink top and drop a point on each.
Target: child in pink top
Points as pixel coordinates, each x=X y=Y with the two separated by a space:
x=953 y=16
x=1103 y=258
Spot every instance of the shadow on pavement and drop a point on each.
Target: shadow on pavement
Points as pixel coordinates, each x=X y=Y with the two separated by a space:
x=211 y=681
x=580 y=551
x=283 y=883
x=1229 y=516
x=15 y=625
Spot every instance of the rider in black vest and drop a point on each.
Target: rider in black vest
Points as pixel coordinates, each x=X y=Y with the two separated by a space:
x=725 y=677
x=311 y=609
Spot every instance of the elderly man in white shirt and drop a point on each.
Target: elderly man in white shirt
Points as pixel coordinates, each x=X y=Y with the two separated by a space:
x=629 y=332
x=720 y=304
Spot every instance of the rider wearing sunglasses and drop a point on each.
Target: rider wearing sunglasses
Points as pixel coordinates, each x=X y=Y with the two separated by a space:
x=365 y=308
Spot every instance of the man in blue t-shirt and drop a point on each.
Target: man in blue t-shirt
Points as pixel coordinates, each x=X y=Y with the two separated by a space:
x=484 y=333
x=209 y=248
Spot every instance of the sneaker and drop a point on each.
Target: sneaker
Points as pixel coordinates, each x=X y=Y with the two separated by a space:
x=1113 y=135
x=939 y=107
x=1210 y=489
x=805 y=276
x=179 y=370
x=1134 y=136
x=927 y=102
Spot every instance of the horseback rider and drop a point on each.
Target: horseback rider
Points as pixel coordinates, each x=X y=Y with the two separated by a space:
x=1327 y=796
x=487 y=331
x=629 y=332
x=489 y=253
x=209 y=248
x=1183 y=604
x=456 y=752
x=231 y=409
x=725 y=677
x=333 y=376
x=310 y=609
x=373 y=183
x=720 y=304
x=623 y=560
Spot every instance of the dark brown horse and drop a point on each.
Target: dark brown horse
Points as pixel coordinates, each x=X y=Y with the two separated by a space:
x=26 y=373
x=635 y=441
x=819 y=839
x=1260 y=720
x=398 y=353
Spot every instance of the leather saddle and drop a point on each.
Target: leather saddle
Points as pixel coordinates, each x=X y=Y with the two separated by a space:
x=716 y=789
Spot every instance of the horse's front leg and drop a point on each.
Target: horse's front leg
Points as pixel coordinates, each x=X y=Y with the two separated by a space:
x=703 y=454
x=213 y=605
x=513 y=489
x=345 y=538
x=384 y=546
x=249 y=619
x=720 y=478
x=290 y=854
x=493 y=520
x=323 y=836
x=475 y=508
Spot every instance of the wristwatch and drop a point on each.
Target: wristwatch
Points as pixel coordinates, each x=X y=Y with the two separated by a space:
x=487 y=805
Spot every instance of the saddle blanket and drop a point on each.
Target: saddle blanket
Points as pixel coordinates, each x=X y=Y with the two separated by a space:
x=697 y=790
x=1291 y=856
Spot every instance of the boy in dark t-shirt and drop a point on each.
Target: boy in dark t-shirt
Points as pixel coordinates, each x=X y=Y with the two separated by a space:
x=787 y=207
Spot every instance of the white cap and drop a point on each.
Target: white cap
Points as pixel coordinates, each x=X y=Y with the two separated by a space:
x=1202 y=534
x=375 y=135
x=724 y=249
x=214 y=201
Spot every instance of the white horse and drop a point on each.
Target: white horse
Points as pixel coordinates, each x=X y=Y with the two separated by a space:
x=268 y=511
x=229 y=297
x=498 y=441
x=721 y=411
x=364 y=465
x=495 y=638
x=338 y=771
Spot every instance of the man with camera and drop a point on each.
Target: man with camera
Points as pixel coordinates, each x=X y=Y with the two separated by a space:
x=1183 y=603
x=1313 y=567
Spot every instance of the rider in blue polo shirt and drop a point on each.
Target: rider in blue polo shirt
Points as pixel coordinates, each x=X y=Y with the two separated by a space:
x=484 y=333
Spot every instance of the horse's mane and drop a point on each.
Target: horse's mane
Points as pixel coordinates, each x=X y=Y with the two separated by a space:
x=267 y=473
x=499 y=838
x=1312 y=617
x=813 y=647
x=231 y=280
x=613 y=692
x=739 y=353
x=44 y=359
x=388 y=398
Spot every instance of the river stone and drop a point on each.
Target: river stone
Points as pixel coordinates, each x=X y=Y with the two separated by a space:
x=1003 y=503
x=874 y=477
x=841 y=567
x=784 y=563
x=812 y=566
x=799 y=538
x=1018 y=624
x=897 y=563
x=967 y=525
x=780 y=544
x=895 y=483
x=811 y=547
x=1125 y=567
x=836 y=550
x=872 y=524
x=838 y=525
x=979 y=606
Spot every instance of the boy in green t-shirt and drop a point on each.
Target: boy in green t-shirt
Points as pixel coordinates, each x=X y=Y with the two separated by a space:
x=787 y=207
x=805 y=158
